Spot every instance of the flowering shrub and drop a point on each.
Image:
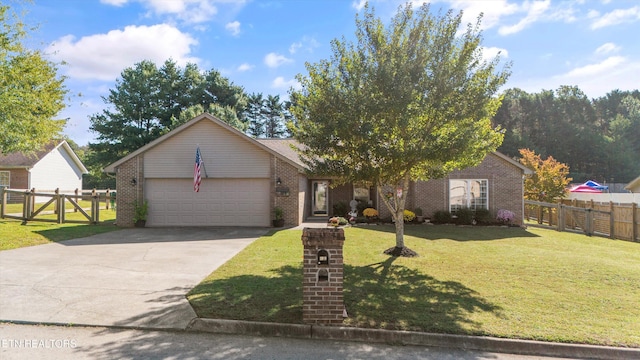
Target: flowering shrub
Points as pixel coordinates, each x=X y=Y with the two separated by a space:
x=409 y=216
x=338 y=221
x=505 y=216
x=370 y=212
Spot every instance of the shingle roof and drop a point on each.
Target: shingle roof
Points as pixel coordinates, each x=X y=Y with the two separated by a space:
x=284 y=147
x=18 y=159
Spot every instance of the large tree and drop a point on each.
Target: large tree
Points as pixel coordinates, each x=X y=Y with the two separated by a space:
x=409 y=101
x=31 y=92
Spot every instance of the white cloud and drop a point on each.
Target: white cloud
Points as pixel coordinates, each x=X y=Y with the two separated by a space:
x=245 y=67
x=492 y=11
x=281 y=83
x=114 y=2
x=607 y=48
x=607 y=65
x=359 y=4
x=192 y=11
x=273 y=60
x=307 y=44
x=534 y=10
x=616 y=17
x=233 y=28
x=595 y=79
x=521 y=14
x=104 y=56
x=489 y=53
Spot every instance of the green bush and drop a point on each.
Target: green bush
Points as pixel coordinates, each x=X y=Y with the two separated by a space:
x=464 y=216
x=340 y=209
x=483 y=217
x=418 y=211
x=361 y=206
x=441 y=217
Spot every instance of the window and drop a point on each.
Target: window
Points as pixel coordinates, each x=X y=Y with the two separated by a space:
x=471 y=194
x=361 y=193
x=5 y=178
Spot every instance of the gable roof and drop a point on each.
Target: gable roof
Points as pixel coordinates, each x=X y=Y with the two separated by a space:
x=284 y=147
x=208 y=117
x=513 y=162
x=19 y=160
x=633 y=184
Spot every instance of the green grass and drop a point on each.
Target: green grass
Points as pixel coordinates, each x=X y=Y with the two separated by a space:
x=15 y=235
x=506 y=282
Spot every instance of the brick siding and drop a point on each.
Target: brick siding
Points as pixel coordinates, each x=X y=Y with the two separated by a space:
x=504 y=181
x=322 y=299
x=289 y=176
x=127 y=193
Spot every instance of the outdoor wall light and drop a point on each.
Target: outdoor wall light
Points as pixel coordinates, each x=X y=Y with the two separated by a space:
x=278 y=182
x=134 y=181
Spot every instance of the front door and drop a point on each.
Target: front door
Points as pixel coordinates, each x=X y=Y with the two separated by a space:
x=320 y=206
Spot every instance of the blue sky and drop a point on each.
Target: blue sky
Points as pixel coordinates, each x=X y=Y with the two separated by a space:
x=262 y=45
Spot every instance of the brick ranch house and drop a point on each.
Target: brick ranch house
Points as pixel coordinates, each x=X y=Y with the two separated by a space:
x=245 y=179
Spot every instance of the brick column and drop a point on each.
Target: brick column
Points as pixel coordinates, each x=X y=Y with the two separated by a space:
x=322 y=298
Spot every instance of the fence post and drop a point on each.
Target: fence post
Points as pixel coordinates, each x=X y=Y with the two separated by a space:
x=634 y=225
x=95 y=208
x=560 y=216
x=57 y=202
x=25 y=207
x=3 y=204
x=33 y=201
x=588 y=222
x=612 y=224
x=106 y=199
x=76 y=199
x=60 y=207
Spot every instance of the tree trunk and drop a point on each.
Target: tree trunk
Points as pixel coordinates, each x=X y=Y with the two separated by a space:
x=396 y=205
x=400 y=228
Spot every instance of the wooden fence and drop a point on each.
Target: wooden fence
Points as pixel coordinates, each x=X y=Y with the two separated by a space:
x=35 y=203
x=613 y=220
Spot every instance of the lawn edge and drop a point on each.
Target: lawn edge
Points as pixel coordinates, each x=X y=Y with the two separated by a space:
x=399 y=337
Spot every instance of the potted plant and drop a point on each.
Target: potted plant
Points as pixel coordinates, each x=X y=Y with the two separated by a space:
x=279 y=217
x=140 y=212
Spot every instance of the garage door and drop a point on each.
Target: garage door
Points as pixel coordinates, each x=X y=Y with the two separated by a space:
x=220 y=202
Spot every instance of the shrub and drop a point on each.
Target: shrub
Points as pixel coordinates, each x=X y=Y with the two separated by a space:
x=340 y=208
x=362 y=205
x=338 y=221
x=441 y=217
x=505 y=216
x=464 y=216
x=409 y=216
x=483 y=217
x=370 y=212
x=418 y=211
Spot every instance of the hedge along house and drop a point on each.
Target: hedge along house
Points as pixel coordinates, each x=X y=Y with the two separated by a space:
x=56 y=166
x=245 y=179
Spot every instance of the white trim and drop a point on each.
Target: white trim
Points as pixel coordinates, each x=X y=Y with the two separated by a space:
x=468 y=191
x=8 y=185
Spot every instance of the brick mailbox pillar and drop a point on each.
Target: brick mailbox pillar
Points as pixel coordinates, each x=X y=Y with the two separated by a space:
x=322 y=298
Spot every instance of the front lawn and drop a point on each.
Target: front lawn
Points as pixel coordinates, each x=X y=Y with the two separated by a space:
x=506 y=282
x=15 y=235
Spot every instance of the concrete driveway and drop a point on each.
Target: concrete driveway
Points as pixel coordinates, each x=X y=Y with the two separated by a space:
x=130 y=277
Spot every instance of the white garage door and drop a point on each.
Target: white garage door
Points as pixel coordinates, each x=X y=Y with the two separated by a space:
x=220 y=202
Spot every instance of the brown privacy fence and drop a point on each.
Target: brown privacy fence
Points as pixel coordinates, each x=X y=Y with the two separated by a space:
x=36 y=204
x=613 y=220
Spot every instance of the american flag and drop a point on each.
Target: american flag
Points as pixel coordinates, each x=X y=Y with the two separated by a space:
x=196 y=171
